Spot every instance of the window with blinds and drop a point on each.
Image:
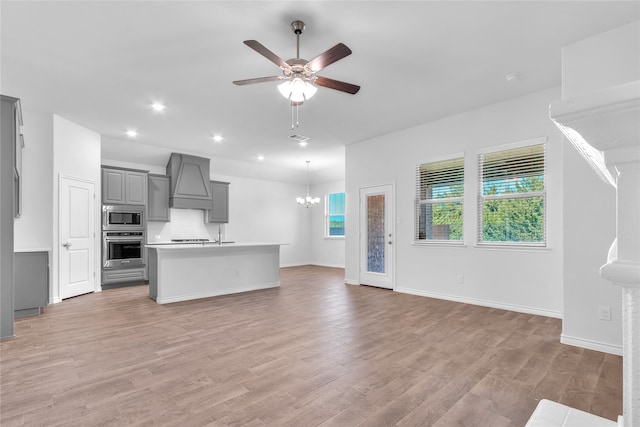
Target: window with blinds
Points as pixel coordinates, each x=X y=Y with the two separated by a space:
x=439 y=200
x=512 y=196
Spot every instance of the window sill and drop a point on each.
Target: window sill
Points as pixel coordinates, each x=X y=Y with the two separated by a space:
x=334 y=237
x=512 y=247
x=440 y=244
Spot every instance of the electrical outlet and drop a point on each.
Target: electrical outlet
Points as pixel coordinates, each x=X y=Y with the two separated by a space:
x=460 y=280
x=604 y=312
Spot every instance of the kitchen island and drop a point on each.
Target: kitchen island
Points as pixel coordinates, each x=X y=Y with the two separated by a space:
x=181 y=272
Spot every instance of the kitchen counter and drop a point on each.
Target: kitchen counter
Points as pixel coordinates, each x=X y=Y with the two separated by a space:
x=33 y=249
x=186 y=271
x=228 y=244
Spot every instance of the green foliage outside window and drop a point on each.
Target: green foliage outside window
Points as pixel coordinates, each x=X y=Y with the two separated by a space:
x=514 y=219
x=449 y=214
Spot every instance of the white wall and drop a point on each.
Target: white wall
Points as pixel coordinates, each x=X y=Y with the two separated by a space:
x=325 y=251
x=520 y=280
x=266 y=211
x=259 y=211
x=34 y=229
x=76 y=153
x=604 y=60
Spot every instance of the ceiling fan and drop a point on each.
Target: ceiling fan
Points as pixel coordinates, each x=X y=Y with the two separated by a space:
x=299 y=75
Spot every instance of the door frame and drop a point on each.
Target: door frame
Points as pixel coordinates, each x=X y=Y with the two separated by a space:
x=392 y=223
x=55 y=295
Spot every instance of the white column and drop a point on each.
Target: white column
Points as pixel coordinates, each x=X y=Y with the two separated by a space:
x=604 y=127
x=624 y=270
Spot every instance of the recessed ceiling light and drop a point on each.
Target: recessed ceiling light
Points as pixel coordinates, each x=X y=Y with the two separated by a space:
x=302 y=143
x=131 y=133
x=158 y=106
x=217 y=138
x=261 y=157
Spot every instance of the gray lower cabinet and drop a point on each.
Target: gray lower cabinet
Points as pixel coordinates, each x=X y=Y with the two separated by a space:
x=31 y=282
x=158 y=197
x=219 y=210
x=124 y=275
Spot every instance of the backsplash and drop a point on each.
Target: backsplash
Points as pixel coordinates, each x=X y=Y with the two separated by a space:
x=185 y=224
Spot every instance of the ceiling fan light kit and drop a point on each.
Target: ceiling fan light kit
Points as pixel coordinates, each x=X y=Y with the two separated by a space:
x=297 y=90
x=299 y=79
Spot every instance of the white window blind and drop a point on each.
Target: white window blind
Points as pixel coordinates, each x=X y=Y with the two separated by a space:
x=439 y=200
x=512 y=196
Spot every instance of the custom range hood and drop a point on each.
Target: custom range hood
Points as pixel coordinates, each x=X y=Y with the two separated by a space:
x=190 y=188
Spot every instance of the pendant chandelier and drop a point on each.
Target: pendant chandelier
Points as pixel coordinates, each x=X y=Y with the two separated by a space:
x=308 y=201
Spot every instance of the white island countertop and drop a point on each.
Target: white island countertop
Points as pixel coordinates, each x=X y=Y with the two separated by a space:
x=186 y=271
x=207 y=245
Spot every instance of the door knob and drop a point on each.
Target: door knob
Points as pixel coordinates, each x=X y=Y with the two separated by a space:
x=67 y=245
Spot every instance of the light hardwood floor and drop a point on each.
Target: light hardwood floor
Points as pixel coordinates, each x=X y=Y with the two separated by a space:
x=313 y=352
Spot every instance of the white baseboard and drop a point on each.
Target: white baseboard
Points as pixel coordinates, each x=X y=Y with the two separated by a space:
x=311 y=263
x=328 y=265
x=483 y=303
x=292 y=265
x=591 y=345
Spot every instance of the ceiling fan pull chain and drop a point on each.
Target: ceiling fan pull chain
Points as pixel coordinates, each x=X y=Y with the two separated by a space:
x=297 y=115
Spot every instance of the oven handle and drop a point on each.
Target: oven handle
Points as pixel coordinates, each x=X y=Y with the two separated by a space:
x=132 y=238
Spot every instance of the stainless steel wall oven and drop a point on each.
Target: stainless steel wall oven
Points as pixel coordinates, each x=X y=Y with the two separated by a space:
x=123 y=249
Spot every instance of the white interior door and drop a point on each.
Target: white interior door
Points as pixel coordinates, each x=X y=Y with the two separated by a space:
x=376 y=236
x=77 y=250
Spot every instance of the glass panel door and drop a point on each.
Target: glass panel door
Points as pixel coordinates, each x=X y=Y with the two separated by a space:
x=375 y=233
x=377 y=236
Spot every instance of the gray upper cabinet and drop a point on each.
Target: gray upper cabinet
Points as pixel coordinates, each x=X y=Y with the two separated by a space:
x=136 y=188
x=124 y=187
x=219 y=210
x=112 y=186
x=159 y=188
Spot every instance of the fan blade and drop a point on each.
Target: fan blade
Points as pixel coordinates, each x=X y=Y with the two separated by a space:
x=257 y=80
x=336 y=84
x=258 y=47
x=334 y=54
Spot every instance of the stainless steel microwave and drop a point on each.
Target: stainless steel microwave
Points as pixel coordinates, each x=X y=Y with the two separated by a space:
x=123 y=218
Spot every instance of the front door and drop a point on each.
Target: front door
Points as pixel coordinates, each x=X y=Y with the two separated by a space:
x=376 y=236
x=77 y=250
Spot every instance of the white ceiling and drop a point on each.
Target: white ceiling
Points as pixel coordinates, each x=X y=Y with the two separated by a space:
x=101 y=64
